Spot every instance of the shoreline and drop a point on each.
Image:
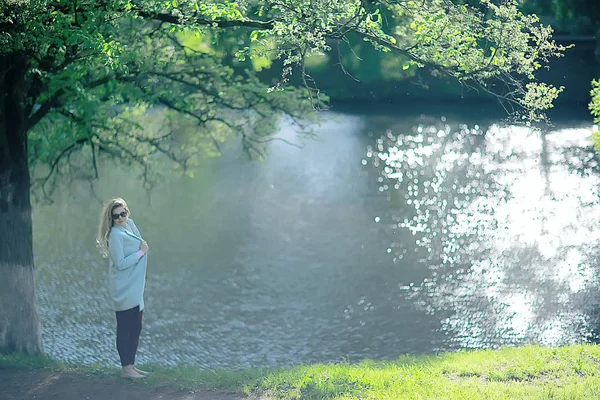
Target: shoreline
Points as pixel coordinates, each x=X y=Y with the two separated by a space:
x=529 y=372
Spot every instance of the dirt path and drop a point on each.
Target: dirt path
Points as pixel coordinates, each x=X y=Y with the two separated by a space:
x=48 y=385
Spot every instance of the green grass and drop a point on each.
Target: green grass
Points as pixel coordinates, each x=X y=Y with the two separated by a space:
x=531 y=372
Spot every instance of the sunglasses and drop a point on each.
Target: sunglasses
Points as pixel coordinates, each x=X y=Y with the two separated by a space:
x=121 y=215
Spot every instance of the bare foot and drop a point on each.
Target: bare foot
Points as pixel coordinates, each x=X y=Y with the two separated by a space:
x=141 y=372
x=129 y=372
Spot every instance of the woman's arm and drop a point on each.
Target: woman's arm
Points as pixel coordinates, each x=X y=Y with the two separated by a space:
x=118 y=257
x=134 y=228
x=136 y=232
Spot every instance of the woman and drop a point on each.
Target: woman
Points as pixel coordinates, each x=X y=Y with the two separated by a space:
x=120 y=240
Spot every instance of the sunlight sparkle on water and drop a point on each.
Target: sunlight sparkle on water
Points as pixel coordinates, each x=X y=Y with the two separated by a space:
x=515 y=209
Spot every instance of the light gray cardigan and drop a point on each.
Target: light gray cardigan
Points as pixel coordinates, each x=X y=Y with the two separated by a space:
x=126 y=272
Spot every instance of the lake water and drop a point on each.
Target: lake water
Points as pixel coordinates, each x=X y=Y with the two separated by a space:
x=393 y=232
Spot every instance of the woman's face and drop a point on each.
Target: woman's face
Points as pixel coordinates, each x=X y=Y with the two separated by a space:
x=120 y=215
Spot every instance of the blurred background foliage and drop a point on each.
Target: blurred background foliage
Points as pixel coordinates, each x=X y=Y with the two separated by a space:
x=355 y=71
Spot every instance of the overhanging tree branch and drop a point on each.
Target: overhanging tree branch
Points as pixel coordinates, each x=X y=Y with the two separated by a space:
x=43 y=110
x=197 y=18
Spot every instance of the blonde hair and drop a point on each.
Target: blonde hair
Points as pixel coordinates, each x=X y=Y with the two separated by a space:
x=106 y=224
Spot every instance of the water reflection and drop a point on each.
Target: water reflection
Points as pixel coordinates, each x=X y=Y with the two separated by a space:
x=433 y=236
x=507 y=224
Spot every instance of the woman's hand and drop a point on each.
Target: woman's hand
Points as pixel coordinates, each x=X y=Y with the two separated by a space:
x=144 y=246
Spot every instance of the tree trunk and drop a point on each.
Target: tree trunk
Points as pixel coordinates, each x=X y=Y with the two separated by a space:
x=20 y=329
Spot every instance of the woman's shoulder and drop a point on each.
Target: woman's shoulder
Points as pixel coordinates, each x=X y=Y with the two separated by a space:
x=115 y=231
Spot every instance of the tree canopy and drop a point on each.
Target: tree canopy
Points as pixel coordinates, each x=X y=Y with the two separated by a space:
x=93 y=66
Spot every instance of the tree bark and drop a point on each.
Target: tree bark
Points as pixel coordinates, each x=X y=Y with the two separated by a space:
x=20 y=329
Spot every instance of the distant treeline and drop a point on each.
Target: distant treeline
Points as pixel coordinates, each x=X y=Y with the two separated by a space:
x=357 y=72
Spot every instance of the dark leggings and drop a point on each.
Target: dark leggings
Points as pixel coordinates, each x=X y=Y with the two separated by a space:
x=129 y=326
